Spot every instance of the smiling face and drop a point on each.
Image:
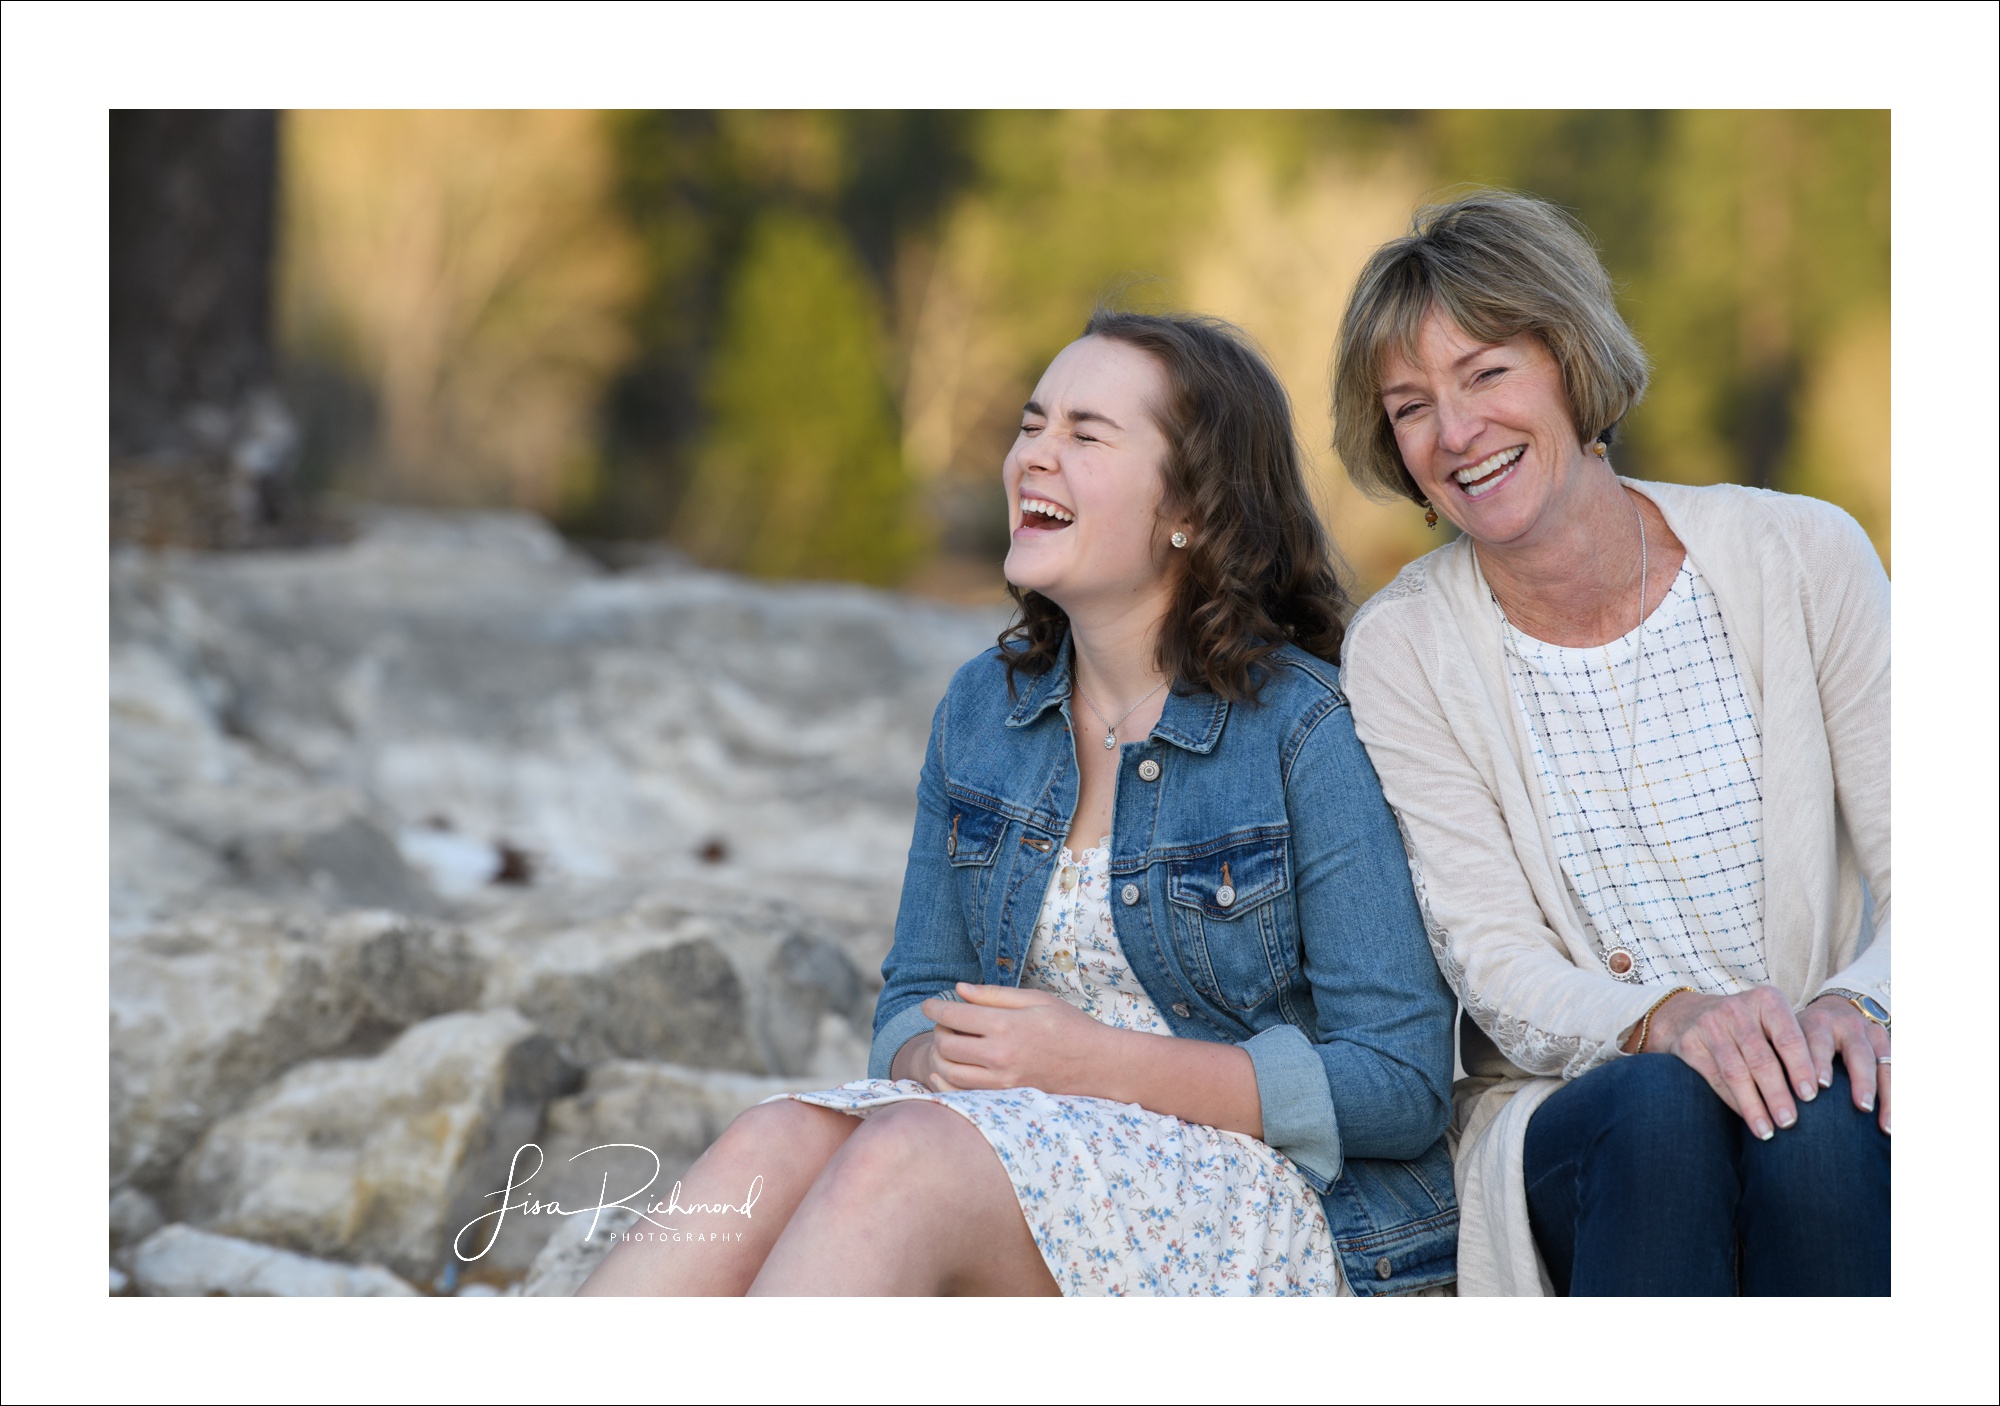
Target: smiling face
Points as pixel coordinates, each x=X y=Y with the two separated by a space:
x=1084 y=479
x=1485 y=430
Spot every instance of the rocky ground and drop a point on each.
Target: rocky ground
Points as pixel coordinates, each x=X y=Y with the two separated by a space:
x=450 y=841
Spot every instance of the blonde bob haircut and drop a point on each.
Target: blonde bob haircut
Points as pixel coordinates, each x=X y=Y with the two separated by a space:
x=1497 y=264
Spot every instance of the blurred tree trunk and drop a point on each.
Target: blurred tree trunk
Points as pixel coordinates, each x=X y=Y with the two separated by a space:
x=201 y=445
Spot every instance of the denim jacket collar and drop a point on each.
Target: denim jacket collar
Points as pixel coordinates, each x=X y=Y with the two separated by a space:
x=1191 y=721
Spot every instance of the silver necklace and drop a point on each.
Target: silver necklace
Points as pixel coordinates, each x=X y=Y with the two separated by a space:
x=1638 y=660
x=1110 y=727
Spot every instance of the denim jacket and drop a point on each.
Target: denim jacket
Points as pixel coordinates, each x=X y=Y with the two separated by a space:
x=1317 y=964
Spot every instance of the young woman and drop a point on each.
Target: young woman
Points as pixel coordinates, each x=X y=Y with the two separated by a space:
x=1638 y=737
x=1160 y=1016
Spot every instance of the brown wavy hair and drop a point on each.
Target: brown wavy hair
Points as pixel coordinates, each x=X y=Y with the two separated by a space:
x=1259 y=571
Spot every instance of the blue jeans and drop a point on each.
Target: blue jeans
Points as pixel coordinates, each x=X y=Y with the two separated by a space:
x=1642 y=1181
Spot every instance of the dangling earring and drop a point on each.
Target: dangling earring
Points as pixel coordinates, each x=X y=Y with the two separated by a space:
x=1179 y=539
x=1601 y=449
x=1430 y=516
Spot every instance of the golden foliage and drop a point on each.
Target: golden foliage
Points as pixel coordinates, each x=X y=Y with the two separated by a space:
x=468 y=267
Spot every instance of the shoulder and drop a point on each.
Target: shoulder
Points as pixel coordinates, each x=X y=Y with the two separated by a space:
x=979 y=692
x=1816 y=530
x=1393 y=637
x=1306 y=706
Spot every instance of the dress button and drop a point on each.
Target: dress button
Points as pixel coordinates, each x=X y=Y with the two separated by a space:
x=1180 y=1008
x=951 y=847
x=1225 y=896
x=1383 y=1268
x=1149 y=770
x=1129 y=895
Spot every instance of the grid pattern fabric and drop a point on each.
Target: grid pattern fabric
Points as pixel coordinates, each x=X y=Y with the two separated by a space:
x=1667 y=867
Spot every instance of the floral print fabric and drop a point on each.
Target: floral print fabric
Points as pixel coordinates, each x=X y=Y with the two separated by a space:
x=1122 y=1200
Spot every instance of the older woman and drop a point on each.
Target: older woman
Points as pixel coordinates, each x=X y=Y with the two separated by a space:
x=1637 y=737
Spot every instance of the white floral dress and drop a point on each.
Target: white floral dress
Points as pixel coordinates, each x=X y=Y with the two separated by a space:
x=1122 y=1200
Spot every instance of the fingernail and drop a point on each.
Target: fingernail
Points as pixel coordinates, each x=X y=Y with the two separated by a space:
x=1868 y=1104
x=1826 y=1078
x=1807 y=1091
x=1763 y=1131
x=1787 y=1120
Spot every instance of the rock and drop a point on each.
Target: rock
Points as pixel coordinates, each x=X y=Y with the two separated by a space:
x=807 y=978
x=181 y=1261
x=682 y=1003
x=470 y=668
x=407 y=972
x=572 y=1252
x=671 y=1112
x=207 y=1009
x=369 y=1158
x=665 y=811
x=134 y=1216
x=201 y=1014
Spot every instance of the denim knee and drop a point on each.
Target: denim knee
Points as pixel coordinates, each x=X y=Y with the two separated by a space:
x=1835 y=1152
x=1657 y=1102
x=1647 y=1114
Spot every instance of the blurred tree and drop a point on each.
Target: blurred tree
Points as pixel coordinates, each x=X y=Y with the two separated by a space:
x=201 y=444
x=695 y=186
x=799 y=473
x=728 y=328
x=469 y=271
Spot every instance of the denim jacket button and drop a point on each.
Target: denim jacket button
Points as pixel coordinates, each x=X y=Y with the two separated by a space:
x=1129 y=894
x=1149 y=770
x=1180 y=1008
x=1382 y=1268
x=1225 y=896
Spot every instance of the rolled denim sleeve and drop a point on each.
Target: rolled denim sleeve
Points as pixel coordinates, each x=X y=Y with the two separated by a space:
x=1382 y=1012
x=1299 y=1117
x=932 y=949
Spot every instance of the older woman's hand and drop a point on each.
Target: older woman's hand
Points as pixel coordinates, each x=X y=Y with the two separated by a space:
x=1833 y=1026
x=1000 y=1037
x=1748 y=1046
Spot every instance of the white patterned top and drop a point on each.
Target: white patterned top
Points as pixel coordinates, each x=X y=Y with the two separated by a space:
x=1075 y=951
x=1666 y=866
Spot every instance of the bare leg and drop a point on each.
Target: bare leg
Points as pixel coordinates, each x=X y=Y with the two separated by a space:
x=915 y=1202
x=787 y=1144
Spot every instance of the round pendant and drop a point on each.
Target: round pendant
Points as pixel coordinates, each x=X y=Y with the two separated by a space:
x=1110 y=740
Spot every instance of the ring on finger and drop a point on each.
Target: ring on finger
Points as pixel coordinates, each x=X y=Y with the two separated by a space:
x=1881 y=1059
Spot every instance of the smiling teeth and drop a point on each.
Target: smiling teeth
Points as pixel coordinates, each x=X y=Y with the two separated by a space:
x=1491 y=464
x=1047 y=509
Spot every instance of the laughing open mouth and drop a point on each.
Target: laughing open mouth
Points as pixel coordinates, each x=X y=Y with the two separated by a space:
x=1040 y=515
x=1489 y=473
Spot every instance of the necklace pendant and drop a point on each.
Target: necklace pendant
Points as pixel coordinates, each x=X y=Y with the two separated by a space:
x=1110 y=740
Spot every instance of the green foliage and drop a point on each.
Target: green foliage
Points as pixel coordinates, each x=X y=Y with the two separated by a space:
x=829 y=294
x=800 y=471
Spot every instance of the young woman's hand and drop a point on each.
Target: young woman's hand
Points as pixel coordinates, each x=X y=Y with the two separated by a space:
x=1000 y=1037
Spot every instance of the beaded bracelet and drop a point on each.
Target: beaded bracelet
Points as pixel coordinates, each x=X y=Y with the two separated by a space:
x=1646 y=1025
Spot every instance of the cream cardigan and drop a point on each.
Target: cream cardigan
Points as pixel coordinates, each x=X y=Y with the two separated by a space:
x=1806 y=604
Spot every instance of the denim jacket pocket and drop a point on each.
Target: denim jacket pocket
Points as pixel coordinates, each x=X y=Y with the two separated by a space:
x=1233 y=920
x=975 y=834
